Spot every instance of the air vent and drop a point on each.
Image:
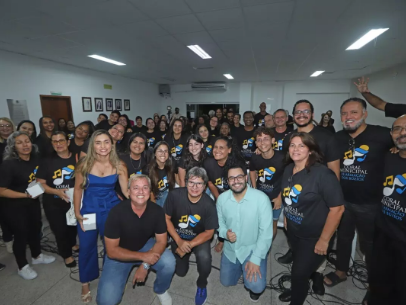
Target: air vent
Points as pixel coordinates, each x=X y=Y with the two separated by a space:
x=212 y=86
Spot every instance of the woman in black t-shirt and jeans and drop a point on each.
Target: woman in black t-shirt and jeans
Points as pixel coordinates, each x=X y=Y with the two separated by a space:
x=23 y=212
x=313 y=206
x=56 y=176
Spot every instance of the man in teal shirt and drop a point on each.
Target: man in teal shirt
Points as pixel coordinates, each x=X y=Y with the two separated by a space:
x=245 y=222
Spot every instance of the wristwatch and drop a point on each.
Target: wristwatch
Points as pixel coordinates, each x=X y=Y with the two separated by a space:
x=146 y=266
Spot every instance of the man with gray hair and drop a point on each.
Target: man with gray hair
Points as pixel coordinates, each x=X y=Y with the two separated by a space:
x=129 y=236
x=191 y=218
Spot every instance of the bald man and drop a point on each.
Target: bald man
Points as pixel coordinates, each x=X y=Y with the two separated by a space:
x=269 y=123
x=388 y=264
x=259 y=117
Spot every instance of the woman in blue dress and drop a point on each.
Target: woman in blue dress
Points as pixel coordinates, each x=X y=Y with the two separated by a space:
x=95 y=178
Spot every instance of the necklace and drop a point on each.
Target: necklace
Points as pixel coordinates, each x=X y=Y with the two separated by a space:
x=139 y=165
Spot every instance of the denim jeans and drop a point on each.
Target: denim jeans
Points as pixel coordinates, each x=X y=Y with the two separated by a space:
x=115 y=274
x=230 y=273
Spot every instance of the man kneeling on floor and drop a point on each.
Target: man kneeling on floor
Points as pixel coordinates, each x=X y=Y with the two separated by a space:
x=129 y=231
x=191 y=218
x=245 y=222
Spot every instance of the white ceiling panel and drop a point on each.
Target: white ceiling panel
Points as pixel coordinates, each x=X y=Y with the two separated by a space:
x=211 y=5
x=320 y=10
x=273 y=13
x=15 y=9
x=199 y=38
x=223 y=19
x=162 y=8
x=144 y=29
x=228 y=34
x=181 y=24
x=257 y=2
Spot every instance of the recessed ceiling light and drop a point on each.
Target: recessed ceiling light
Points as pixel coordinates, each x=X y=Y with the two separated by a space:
x=107 y=60
x=372 y=34
x=229 y=76
x=317 y=73
x=199 y=51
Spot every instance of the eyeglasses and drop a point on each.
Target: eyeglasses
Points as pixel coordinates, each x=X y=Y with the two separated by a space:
x=299 y=112
x=162 y=152
x=239 y=178
x=395 y=129
x=195 y=184
x=5 y=125
x=58 y=141
x=263 y=140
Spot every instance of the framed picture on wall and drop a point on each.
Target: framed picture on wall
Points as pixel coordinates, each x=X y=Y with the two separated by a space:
x=119 y=105
x=87 y=104
x=109 y=104
x=127 y=105
x=98 y=104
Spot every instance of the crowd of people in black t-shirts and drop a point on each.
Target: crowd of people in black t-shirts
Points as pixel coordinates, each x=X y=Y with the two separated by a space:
x=177 y=183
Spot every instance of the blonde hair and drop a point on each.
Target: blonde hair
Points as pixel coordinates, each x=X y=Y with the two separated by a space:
x=137 y=177
x=12 y=125
x=85 y=164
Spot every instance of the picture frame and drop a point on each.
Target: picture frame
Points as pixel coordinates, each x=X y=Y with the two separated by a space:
x=127 y=105
x=109 y=104
x=87 y=104
x=119 y=104
x=98 y=104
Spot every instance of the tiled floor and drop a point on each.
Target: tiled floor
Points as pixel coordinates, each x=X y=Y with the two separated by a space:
x=54 y=285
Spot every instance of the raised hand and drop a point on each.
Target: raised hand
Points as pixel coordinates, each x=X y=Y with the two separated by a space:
x=362 y=85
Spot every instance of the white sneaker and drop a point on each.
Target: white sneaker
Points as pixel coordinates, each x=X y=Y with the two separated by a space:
x=27 y=273
x=9 y=247
x=165 y=298
x=43 y=259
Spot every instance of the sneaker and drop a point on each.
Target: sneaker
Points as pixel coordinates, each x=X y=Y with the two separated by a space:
x=27 y=273
x=254 y=296
x=2 y=267
x=287 y=258
x=165 y=298
x=9 y=246
x=43 y=259
x=201 y=296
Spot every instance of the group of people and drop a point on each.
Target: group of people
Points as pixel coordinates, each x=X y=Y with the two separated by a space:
x=155 y=193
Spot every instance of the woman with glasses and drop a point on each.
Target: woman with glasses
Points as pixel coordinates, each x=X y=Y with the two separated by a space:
x=28 y=127
x=152 y=135
x=96 y=176
x=161 y=172
x=194 y=155
x=203 y=132
x=82 y=133
x=43 y=141
x=6 y=129
x=313 y=205
x=56 y=174
x=23 y=212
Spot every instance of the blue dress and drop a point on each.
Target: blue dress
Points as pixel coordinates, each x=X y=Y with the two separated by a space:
x=99 y=197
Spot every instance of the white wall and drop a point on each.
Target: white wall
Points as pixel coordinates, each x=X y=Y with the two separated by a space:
x=389 y=85
x=26 y=78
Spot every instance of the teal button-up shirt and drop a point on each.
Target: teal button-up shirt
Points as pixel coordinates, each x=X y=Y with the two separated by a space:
x=251 y=220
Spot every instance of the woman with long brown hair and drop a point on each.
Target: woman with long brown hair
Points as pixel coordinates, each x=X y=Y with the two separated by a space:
x=327 y=123
x=43 y=141
x=96 y=176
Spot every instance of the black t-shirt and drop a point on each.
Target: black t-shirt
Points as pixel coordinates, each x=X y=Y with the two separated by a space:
x=153 y=138
x=395 y=110
x=176 y=147
x=141 y=129
x=216 y=174
x=163 y=184
x=215 y=132
x=133 y=231
x=104 y=125
x=84 y=147
x=2 y=148
x=279 y=137
x=193 y=163
x=135 y=166
x=270 y=172
x=392 y=219
x=235 y=130
x=307 y=198
x=190 y=219
x=162 y=134
x=326 y=141
x=208 y=145
x=329 y=128
x=361 y=163
x=259 y=119
x=44 y=146
x=59 y=174
x=246 y=142
x=75 y=149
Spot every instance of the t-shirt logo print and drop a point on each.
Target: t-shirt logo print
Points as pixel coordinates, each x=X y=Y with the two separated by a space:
x=208 y=149
x=177 y=150
x=163 y=184
x=266 y=174
x=359 y=154
x=278 y=145
x=391 y=185
x=151 y=141
x=185 y=220
x=31 y=178
x=292 y=194
x=65 y=173
x=248 y=143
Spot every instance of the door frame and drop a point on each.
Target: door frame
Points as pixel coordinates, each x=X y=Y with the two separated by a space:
x=57 y=96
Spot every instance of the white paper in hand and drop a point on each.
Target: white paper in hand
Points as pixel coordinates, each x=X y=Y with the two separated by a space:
x=90 y=222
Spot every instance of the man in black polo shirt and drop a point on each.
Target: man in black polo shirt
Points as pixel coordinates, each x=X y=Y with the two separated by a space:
x=362 y=148
x=260 y=116
x=281 y=129
x=107 y=124
x=129 y=237
x=191 y=218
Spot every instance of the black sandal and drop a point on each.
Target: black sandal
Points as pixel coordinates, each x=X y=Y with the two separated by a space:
x=334 y=278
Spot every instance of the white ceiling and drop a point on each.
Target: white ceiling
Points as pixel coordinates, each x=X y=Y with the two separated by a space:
x=254 y=40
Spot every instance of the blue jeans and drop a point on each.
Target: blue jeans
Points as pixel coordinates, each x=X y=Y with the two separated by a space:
x=115 y=274
x=230 y=273
x=161 y=200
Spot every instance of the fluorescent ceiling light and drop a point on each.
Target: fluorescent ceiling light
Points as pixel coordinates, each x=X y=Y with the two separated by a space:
x=229 y=76
x=107 y=60
x=199 y=51
x=372 y=34
x=317 y=73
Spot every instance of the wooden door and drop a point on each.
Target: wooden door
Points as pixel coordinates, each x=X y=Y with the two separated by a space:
x=56 y=107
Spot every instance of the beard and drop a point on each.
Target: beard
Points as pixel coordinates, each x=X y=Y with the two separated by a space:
x=353 y=129
x=400 y=146
x=304 y=124
x=236 y=191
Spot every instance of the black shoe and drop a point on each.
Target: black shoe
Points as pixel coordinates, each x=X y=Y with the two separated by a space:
x=2 y=267
x=71 y=265
x=287 y=258
x=285 y=296
x=254 y=296
x=318 y=285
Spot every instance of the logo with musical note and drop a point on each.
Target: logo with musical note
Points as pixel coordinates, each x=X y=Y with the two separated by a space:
x=65 y=173
x=248 y=143
x=359 y=154
x=220 y=183
x=187 y=220
x=31 y=177
x=292 y=194
x=151 y=141
x=278 y=145
x=260 y=122
x=163 y=184
x=136 y=173
x=209 y=149
x=177 y=150
x=398 y=184
x=266 y=174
